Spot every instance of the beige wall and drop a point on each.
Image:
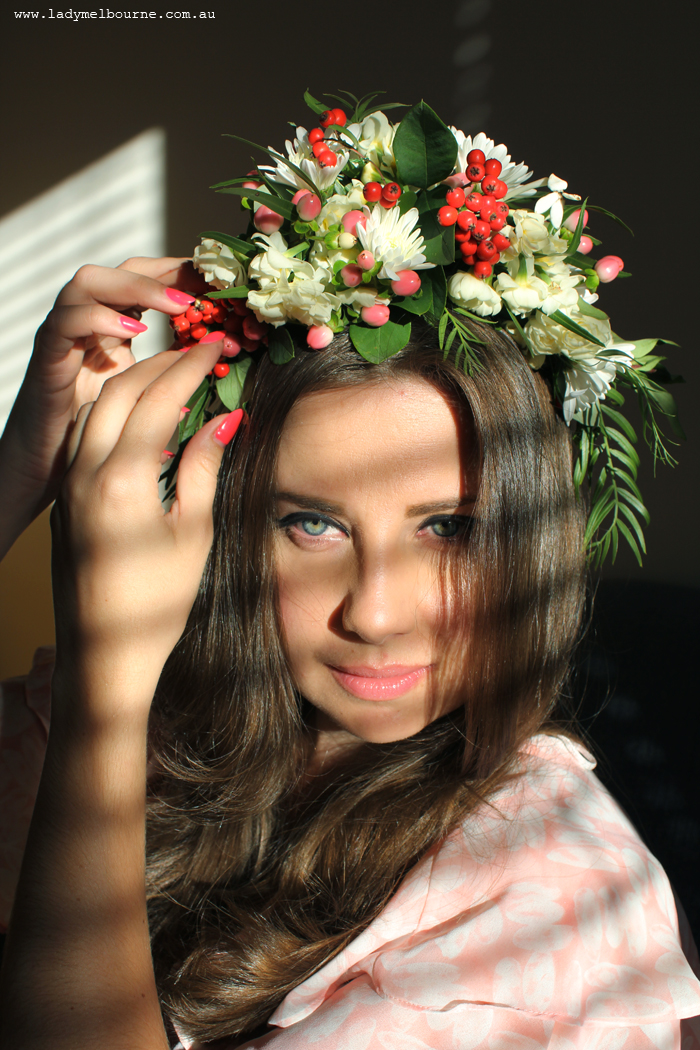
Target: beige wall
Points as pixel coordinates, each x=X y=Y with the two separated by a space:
x=25 y=599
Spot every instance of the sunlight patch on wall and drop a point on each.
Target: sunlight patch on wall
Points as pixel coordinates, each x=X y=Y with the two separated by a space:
x=109 y=211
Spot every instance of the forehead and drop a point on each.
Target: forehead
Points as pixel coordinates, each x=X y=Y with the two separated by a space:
x=397 y=433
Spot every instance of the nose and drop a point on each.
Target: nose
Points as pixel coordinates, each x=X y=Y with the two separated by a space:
x=382 y=598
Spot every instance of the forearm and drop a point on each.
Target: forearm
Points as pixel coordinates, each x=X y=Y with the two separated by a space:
x=77 y=971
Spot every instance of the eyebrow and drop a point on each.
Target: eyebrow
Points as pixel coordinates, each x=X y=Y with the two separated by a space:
x=417 y=510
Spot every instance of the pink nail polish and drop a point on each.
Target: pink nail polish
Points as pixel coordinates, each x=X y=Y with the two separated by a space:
x=212 y=337
x=131 y=325
x=167 y=454
x=181 y=298
x=184 y=409
x=225 y=431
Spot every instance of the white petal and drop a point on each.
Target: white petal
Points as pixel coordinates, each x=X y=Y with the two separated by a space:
x=555 y=183
x=545 y=203
x=556 y=213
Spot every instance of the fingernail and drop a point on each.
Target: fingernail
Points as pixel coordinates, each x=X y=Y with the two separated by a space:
x=225 y=431
x=183 y=413
x=131 y=325
x=166 y=455
x=181 y=298
x=212 y=337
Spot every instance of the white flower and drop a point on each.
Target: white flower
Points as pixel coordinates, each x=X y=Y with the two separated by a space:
x=514 y=175
x=301 y=154
x=475 y=295
x=553 y=203
x=289 y=289
x=590 y=368
x=561 y=293
x=524 y=293
x=340 y=204
x=532 y=237
x=376 y=137
x=393 y=240
x=219 y=265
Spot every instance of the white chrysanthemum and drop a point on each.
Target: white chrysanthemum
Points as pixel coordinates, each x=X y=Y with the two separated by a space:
x=394 y=240
x=219 y=265
x=289 y=289
x=301 y=154
x=590 y=369
x=376 y=137
x=514 y=175
x=474 y=295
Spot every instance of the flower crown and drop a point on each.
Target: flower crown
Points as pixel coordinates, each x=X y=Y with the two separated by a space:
x=365 y=224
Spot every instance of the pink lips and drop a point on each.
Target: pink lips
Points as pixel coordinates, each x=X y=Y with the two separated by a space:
x=372 y=683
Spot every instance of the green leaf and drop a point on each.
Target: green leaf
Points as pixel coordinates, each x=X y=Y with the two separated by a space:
x=424 y=147
x=407 y=200
x=439 y=246
x=566 y=322
x=630 y=539
x=617 y=417
x=313 y=103
x=230 y=388
x=239 y=292
x=278 y=204
x=194 y=418
x=276 y=156
x=604 y=211
x=573 y=248
x=280 y=345
x=234 y=243
x=430 y=298
x=636 y=504
x=377 y=344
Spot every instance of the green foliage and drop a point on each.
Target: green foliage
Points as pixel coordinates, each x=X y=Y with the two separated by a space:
x=230 y=388
x=424 y=147
x=234 y=243
x=430 y=299
x=377 y=344
x=439 y=241
x=280 y=346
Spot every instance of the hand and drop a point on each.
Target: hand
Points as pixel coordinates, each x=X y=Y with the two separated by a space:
x=125 y=573
x=82 y=343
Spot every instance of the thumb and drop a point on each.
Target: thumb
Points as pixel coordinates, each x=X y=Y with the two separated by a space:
x=200 y=463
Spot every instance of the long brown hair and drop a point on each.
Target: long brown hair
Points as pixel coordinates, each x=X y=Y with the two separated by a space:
x=253 y=883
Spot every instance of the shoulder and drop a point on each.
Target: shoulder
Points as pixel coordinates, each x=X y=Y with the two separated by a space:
x=545 y=902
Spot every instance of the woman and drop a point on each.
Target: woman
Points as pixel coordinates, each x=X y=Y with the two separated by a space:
x=363 y=824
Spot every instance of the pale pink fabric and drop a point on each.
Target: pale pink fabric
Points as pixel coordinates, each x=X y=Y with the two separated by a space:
x=542 y=922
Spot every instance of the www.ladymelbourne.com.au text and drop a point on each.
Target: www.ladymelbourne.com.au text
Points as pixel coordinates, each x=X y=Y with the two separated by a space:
x=108 y=13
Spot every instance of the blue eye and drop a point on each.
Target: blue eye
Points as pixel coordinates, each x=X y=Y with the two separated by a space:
x=313 y=526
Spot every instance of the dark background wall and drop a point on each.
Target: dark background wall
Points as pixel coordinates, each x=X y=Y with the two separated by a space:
x=601 y=93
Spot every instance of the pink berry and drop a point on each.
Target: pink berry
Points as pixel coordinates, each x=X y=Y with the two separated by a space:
x=253 y=328
x=351 y=219
x=608 y=268
x=266 y=220
x=232 y=346
x=408 y=283
x=455 y=198
x=458 y=180
x=365 y=260
x=239 y=307
x=352 y=275
x=319 y=336
x=298 y=195
x=585 y=245
x=447 y=216
x=376 y=315
x=309 y=207
x=252 y=185
x=572 y=222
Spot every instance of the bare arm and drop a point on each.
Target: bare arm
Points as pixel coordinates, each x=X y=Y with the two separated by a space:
x=77 y=971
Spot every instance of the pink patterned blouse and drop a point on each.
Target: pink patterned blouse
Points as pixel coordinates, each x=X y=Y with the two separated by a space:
x=542 y=922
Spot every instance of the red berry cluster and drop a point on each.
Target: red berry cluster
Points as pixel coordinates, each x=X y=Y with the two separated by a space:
x=386 y=195
x=321 y=150
x=480 y=216
x=242 y=330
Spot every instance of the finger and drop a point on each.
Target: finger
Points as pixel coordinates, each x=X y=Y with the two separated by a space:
x=138 y=410
x=175 y=272
x=121 y=289
x=112 y=408
x=199 y=469
x=77 y=432
x=65 y=325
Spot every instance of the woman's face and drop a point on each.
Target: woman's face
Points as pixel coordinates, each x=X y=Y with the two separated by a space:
x=373 y=483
